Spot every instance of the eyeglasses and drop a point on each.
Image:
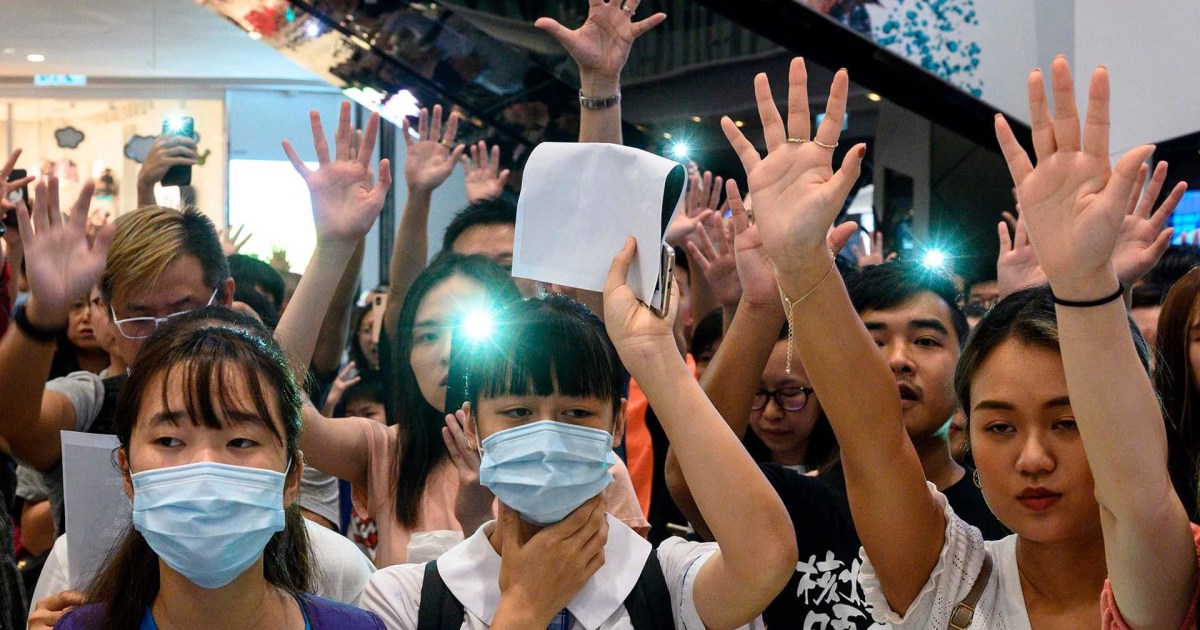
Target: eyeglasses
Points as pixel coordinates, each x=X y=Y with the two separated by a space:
x=788 y=398
x=142 y=327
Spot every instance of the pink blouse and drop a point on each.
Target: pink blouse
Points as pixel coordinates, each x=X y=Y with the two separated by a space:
x=1110 y=616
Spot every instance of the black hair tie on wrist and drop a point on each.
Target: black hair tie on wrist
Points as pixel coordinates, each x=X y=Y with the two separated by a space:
x=1101 y=302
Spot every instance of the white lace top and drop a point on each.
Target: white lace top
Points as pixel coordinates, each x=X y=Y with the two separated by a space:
x=1000 y=607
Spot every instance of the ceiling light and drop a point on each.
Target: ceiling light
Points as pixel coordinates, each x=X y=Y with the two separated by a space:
x=8 y=51
x=739 y=123
x=313 y=29
x=666 y=135
x=871 y=96
x=696 y=119
x=35 y=58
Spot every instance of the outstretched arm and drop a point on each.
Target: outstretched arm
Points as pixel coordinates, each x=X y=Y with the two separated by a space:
x=1074 y=206
x=32 y=418
x=346 y=200
x=601 y=47
x=428 y=161
x=757 y=543
x=797 y=196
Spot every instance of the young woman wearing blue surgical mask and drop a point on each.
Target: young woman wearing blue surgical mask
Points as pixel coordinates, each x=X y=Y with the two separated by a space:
x=403 y=475
x=208 y=424
x=547 y=405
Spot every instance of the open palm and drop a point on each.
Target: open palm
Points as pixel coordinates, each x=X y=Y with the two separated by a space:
x=429 y=159
x=797 y=194
x=1073 y=204
x=1144 y=233
x=346 y=196
x=60 y=263
x=601 y=46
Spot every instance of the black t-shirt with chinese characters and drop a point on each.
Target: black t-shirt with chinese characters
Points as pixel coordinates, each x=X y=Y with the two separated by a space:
x=824 y=593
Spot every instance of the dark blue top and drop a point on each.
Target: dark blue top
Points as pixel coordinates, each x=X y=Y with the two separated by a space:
x=319 y=614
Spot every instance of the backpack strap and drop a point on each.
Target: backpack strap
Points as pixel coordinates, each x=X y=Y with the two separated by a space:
x=439 y=609
x=964 y=612
x=649 y=603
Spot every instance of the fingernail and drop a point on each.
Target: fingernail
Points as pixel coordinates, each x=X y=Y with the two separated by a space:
x=862 y=151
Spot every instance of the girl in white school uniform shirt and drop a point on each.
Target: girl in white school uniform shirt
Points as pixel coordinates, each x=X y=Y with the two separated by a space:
x=1047 y=389
x=547 y=404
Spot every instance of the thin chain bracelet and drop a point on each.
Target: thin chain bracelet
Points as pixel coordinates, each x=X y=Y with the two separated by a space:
x=790 y=305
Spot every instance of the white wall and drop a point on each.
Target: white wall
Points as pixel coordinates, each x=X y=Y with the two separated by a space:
x=105 y=136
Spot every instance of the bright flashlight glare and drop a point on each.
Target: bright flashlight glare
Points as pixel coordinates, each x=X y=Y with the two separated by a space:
x=175 y=123
x=313 y=29
x=934 y=259
x=478 y=325
x=680 y=150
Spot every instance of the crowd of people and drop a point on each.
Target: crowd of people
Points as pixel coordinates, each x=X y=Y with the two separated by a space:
x=801 y=441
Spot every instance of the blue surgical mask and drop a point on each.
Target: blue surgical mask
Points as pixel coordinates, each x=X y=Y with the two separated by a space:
x=546 y=469
x=208 y=521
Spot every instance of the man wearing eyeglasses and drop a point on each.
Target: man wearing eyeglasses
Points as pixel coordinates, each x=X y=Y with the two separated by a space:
x=914 y=319
x=162 y=262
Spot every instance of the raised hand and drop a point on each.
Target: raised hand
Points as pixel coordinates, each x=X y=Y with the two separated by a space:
x=1017 y=265
x=6 y=186
x=346 y=379
x=755 y=276
x=485 y=180
x=1073 y=203
x=279 y=260
x=601 y=46
x=473 y=505
x=641 y=337
x=875 y=257
x=60 y=263
x=233 y=242
x=1144 y=236
x=797 y=194
x=167 y=151
x=346 y=195
x=699 y=204
x=714 y=255
x=430 y=159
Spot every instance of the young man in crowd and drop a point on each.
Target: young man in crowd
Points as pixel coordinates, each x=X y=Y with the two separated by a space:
x=918 y=326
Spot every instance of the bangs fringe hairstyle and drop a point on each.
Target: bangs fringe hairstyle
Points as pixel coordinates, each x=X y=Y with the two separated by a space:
x=1026 y=316
x=420 y=446
x=149 y=239
x=1174 y=380
x=546 y=345
x=211 y=349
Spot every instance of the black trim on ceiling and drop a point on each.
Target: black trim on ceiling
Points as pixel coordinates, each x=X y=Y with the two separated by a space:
x=432 y=91
x=816 y=37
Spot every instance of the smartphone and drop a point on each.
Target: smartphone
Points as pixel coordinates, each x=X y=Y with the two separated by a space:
x=379 y=307
x=179 y=126
x=16 y=196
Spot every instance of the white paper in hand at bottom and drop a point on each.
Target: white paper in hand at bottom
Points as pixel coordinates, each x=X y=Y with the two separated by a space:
x=97 y=509
x=578 y=204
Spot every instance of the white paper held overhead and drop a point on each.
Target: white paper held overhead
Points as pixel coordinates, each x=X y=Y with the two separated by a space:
x=578 y=204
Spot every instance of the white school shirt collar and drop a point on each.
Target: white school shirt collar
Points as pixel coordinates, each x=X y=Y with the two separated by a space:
x=471 y=571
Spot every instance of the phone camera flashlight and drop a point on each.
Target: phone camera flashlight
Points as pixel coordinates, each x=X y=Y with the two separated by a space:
x=935 y=259
x=478 y=325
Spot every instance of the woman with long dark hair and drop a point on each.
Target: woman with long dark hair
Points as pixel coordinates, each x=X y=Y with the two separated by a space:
x=208 y=423
x=1177 y=380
